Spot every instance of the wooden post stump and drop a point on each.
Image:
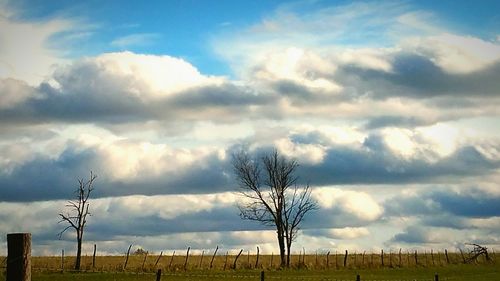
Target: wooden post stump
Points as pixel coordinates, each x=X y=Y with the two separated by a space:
x=19 y=257
x=158 y=275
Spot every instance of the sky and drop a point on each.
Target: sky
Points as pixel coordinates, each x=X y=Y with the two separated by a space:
x=391 y=109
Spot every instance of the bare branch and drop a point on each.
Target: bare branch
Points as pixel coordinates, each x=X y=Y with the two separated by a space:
x=80 y=210
x=272 y=196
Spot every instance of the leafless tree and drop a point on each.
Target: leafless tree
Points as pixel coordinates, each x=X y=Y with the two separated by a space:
x=272 y=196
x=76 y=218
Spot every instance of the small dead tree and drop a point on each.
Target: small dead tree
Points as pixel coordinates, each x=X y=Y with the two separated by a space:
x=76 y=218
x=272 y=196
x=477 y=251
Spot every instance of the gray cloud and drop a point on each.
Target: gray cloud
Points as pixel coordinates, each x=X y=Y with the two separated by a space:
x=88 y=93
x=396 y=121
x=412 y=235
x=54 y=178
x=377 y=164
x=418 y=77
x=46 y=179
x=446 y=206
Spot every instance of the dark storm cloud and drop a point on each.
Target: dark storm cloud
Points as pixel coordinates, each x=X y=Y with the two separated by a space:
x=412 y=235
x=416 y=76
x=439 y=219
x=217 y=219
x=55 y=178
x=395 y=121
x=375 y=163
x=87 y=93
x=335 y=217
x=47 y=179
x=471 y=204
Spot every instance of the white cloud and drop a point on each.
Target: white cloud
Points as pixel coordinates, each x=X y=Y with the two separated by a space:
x=348 y=232
x=307 y=153
x=297 y=65
x=360 y=204
x=142 y=159
x=137 y=39
x=454 y=53
x=25 y=53
x=14 y=92
x=145 y=76
x=369 y=58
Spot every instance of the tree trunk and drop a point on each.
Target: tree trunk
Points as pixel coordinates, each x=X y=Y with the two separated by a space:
x=288 y=252
x=281 y=243
x=78 y=254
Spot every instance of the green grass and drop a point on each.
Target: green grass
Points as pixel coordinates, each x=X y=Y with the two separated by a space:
x=310 y=267
x=451 y=272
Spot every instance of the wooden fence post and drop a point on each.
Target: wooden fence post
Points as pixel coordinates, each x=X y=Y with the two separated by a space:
x=446 y=255
x=144 y=261
x=400 y=263
x=62 y=260
x=416 y=258
x=187 y=257
x=336 y=262
x=19 y=257
x=358 y=278
x=262 y=276
x=213 y=257
x=158 y=275
x=93 y=256
x=345 y=258
x=126 y=259
x=303 y=256
x=158 y=259
x=257 y=261
x=382 y=257
x=272 y=255
x=327 y=260
x=436 y=277
x=201 y=260
x=236 y=259
x=225 y=262
x=171 y=260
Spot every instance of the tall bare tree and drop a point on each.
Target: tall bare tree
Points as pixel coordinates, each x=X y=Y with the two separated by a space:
x=272 y=196
x=76 y=218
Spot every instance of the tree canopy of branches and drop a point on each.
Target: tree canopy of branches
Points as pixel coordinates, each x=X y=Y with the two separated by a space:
x=272 y=196
x=76 y=218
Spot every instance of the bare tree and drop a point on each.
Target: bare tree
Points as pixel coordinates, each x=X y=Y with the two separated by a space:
x=272 y=196
x=79 y=210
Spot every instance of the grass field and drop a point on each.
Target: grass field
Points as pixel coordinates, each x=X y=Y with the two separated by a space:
x=452 y=272
x=310 y=267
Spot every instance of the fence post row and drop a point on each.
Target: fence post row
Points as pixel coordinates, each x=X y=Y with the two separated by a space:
x=19 y=257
